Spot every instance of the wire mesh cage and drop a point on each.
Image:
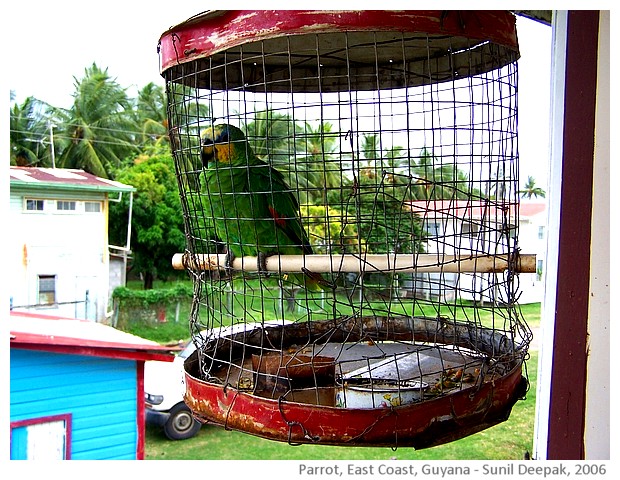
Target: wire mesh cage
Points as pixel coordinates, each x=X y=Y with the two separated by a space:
x=349 y=183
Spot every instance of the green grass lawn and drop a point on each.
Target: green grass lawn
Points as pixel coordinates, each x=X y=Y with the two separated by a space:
x=177 y=326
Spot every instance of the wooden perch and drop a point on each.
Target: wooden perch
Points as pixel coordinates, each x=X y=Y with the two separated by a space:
x=405 y=263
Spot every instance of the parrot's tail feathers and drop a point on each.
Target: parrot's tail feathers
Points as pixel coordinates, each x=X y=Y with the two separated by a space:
x=316 y=281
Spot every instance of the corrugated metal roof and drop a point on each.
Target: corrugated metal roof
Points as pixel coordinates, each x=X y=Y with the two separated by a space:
x=46 y=332
x=64 y=178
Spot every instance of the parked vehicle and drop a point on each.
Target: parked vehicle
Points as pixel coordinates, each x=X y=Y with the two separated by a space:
x=164 y=387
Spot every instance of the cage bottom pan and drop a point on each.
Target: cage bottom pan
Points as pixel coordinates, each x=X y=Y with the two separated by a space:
x=340 y=392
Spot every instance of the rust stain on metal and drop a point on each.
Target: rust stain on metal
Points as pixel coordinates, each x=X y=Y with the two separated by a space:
x=419 y=425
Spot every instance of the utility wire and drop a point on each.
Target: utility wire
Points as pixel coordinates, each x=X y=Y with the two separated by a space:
x=106 y=129
x=44 y=137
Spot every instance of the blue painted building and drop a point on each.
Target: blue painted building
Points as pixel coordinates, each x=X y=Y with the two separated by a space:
x=77 y=389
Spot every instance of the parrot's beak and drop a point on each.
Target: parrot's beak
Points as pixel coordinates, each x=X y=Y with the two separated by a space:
x=215 y=146
x=207 y=154
x=207 y=151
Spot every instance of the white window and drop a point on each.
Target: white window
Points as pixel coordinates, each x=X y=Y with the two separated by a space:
x=46 y=441
x=92 y=207
x=47 y=289
x=469 y=229
x=35 y=205
x=512 y=232
x=433 y=229
x=541 y=232
x=46 y=438
x=65 y=205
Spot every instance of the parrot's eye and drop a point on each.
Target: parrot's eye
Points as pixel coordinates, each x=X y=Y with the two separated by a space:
x=224 y=136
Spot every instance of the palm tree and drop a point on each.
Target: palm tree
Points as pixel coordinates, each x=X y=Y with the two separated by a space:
x=183 y=123
x=422 y=175
x=98 y=131
x=30 y=125
x=271 y=136
x=314 y=152
x=381 y=192
x=531 y=190
x=151 y=114
x=369 y=151
x=278 y=140
x=436 y=180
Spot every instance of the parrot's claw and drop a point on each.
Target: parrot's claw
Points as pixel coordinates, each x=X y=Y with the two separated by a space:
x=228 y=263
x=261 y=263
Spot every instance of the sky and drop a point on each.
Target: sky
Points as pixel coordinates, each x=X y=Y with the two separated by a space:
x=53 y=42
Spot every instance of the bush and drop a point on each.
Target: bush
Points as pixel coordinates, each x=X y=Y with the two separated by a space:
x=146 y=306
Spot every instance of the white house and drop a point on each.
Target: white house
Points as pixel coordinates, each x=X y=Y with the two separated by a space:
x=533 y=240
x=59 y=253
x=464 y=227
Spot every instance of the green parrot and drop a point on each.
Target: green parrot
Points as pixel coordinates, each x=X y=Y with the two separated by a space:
x=254 y=211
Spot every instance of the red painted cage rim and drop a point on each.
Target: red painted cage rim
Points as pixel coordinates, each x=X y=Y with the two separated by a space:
x=217 y=30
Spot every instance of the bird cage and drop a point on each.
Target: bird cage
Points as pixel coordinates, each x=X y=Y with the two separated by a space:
x=349 y=183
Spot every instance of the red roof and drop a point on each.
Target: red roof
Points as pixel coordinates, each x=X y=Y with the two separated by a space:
x=64 y=178
x=529 y=209
x=34 y=331
x=473 y=209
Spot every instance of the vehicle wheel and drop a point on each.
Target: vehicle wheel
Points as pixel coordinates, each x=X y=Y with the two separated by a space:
x=181 y=424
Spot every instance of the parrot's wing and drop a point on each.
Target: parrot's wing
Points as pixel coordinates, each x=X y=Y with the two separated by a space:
x=205 y=232
x=281 y=204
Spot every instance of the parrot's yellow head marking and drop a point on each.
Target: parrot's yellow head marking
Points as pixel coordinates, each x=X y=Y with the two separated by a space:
x=220 y=143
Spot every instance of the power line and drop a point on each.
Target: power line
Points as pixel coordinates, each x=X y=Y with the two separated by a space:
x=93 y=127
x=44 y=137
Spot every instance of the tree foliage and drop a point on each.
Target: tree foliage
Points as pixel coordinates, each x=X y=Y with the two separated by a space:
x=157 y=222
x=376 y=200
x=98 y=132
x=329 y=230
x=29 y=134
x=151 y=118
x=531 y=190
x=438 y=180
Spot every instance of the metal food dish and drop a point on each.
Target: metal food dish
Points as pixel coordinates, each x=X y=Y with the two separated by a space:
x=419 y=414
